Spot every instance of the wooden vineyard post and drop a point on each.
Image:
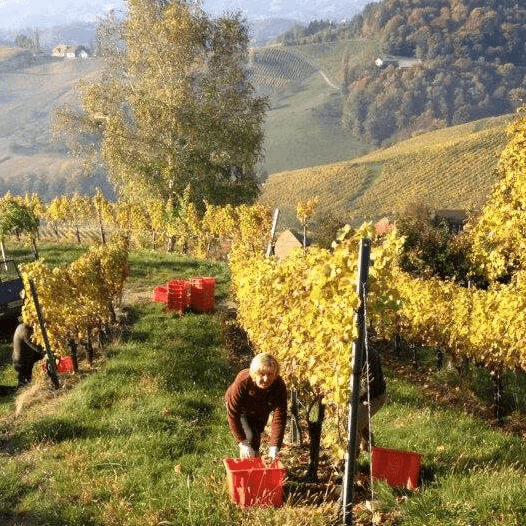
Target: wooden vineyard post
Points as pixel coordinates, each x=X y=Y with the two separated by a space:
x=270 y=248
x=356 y=370
x=295 y=430
x=51 y=368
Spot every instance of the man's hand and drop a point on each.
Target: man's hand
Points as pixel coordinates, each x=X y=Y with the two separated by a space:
x=245 y=450
x=273 y=452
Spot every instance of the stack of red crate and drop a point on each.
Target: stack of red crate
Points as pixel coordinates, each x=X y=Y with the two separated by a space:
x=202 y=294
x=178 y=295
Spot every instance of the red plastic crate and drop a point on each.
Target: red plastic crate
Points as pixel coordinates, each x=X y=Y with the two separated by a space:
x=202 y=294
x=65 y=364
x=251 y=483
x=160 y=294
x=177 y=284
x=178 y=295
x=208 y=283
x=397 y=468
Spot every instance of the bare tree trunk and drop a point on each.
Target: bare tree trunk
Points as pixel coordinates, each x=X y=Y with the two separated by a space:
x=171 y=244
x=34 y=244
x=74 y=357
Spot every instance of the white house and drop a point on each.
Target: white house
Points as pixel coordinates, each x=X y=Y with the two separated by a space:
x=70 y=52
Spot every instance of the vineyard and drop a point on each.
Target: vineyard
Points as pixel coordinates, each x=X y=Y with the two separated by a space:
x=151 y=417
x=329 y=55
x=451 y=168
x=150 y=423
x=310 y=326
x=276 y=68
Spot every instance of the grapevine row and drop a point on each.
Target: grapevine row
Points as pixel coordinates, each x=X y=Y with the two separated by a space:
x=301 y=309
x=77 y=300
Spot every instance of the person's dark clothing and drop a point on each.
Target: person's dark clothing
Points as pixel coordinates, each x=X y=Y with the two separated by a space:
x=25 y=354
x=375 y=381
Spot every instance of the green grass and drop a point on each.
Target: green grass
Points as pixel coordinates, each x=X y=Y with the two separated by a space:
x=303 y=128
x=137 y=442
x=140 y=439
x=471 y=474
x=155 y=267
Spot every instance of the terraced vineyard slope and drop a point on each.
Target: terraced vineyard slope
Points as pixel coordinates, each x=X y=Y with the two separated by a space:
x=448 y=168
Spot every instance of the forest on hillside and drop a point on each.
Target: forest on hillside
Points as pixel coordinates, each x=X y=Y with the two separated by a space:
x=471 y=64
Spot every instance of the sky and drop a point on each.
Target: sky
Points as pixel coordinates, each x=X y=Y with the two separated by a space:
x=20 y=14
x=23 y=14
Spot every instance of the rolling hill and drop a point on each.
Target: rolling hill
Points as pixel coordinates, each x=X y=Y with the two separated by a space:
x=452 y=168
x=307 y=151
x=30 y=89
x=302 y=128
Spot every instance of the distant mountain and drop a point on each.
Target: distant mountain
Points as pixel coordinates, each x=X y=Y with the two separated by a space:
x=452 y=168
x=264 y=30
x=77 y=33
x=299 y=10
x=73 y=33
x=62 y=23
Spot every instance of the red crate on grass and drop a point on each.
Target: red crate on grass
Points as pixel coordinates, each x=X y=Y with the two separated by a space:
x=202 y=294
x=178 y=295
x=397 y=468
x=251 y=483
x=160 y=294
x=65 y=364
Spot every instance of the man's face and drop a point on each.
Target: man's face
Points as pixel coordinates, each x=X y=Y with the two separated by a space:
x=263 y=378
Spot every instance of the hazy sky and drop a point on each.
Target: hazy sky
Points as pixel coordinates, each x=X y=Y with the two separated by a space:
x=18 y=14
x=21 y=14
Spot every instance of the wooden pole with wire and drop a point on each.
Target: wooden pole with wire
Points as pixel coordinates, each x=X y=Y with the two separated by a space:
x=51 y=366
x=354 y=386
x=270 y=248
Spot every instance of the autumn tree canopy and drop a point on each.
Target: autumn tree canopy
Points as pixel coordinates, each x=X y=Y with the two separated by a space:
x=173 y=106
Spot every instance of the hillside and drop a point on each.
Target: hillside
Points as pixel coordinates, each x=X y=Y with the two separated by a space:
x=448 y=168
x=302 y=128
x=307 y=150
x=468 y=63
x=30 y=89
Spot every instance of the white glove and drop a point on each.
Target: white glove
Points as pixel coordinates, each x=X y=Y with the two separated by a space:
x=273 y=452
x=245 y=450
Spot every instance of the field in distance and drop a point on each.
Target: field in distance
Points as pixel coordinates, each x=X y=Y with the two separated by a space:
x=452 y=168
x=30 y=90
x=303 y=127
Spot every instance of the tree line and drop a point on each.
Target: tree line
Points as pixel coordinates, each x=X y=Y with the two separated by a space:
x=471 y=65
